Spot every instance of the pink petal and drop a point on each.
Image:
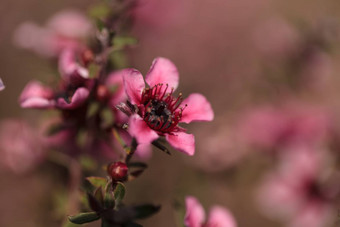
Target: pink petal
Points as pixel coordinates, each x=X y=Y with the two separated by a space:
x=183 y=142
x=194 y=216
x=144 y=151
x=198 y=109
x=162 y=71
x=2 y=86
x=78 y=98
x=141 y=131
x=220 y=217
x=70 y=24
x=69 y=68
x=35 y=95
x=133 y=84
x=115 y=80
x=38 y=103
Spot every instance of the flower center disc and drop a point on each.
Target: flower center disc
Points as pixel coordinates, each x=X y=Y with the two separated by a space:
x=161 y=110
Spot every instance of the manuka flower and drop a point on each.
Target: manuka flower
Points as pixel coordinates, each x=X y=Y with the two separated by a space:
x=195 y=215
x=73 y=91
x=66 y=29
x=158 y=112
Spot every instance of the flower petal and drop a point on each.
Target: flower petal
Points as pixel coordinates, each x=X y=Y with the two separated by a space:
x=115 y=82
x=36 y=95
x=162 y=71
x=2 y=86
x=141 y=131
x=183 y=142
x=220 y=217
x=69 y=68
x=198 y=109
x=133 y=85
x=144 y=151
x=78 y=98
x=194 y=216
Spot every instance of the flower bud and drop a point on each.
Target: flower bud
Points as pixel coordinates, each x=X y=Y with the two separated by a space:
x=118 y=171
x=102 y=93
x=87 y=57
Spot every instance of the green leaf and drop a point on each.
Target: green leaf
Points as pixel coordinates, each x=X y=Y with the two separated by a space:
x=83 y=218
x=137 y=165
x=109 y=200
x=98 y=194
x=107 y=118
x=119 y=193
x=100 y=11
x=93 y=70
x=120 y=42
x=144 y=211
x=93 y=109
x=97 y=181
x=54 y=129
x=87 y=163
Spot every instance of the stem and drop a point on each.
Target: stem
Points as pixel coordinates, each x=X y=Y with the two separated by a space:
x=131 y=151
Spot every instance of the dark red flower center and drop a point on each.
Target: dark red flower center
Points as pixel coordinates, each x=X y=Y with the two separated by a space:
x=162 y=111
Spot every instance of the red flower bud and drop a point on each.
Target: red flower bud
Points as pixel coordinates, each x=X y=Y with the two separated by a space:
x=87 y=57
x=118 y=171
x=102 y=93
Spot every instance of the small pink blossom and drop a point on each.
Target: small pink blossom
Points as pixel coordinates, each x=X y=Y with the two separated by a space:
x=65 y=29
x=269 y=127
x=35 y=95
x=70 y=70
x=159 y=112
x=195 y=215
x=21 y=147
x=295 y=192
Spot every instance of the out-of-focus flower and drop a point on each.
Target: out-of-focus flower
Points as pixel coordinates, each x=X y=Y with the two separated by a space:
x=195 y=215
x=71 y=70
x=2 y=85
x=73 y=91
x=36 y=95
x=270 y=128
x=21 y=147
x=296 y=191
x=66 y=29
x=158 y=112
x=276 y=39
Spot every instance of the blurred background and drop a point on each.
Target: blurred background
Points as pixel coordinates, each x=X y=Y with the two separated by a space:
x=264 y=65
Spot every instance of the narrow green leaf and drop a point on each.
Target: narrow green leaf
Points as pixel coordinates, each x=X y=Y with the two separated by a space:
x=93 y=109
x=83 y=218
x=109 y=200
x=120 y=42
x=144 y=211
x=137 y=165
x=119 y=192
x=97 y=181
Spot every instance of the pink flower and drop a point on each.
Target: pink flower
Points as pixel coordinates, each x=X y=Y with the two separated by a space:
x=36 y=95
x=159 y=112
x=65 y=29
x=195 y=215
x=2 y=86
x=21 y=147
x=269 y=127
x=296 y=191
x=70 y=70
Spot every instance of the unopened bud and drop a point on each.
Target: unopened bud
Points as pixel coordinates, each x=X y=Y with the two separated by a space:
x=102 y=93
x=87 y=57
x=118 y=171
